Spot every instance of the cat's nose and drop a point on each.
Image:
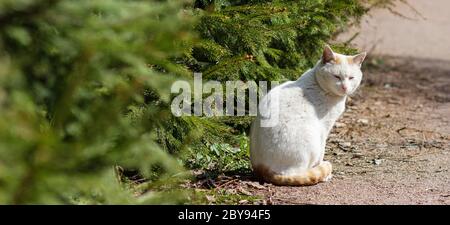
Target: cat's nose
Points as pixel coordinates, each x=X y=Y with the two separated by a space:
x=344 y=88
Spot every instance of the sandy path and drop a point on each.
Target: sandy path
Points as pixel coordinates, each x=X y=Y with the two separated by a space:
x=421 y=36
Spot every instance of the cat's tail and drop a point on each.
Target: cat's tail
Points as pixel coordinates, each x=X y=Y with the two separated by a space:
x=317 y=174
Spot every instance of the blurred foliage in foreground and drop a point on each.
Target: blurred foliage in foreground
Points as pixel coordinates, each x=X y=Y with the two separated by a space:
x=83 y=86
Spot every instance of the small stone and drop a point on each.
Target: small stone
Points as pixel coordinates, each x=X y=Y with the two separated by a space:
x=339 y=125
x=387 y=86
x=357 y=155
x=377 y=161
x=345 y=144
x=363 y=121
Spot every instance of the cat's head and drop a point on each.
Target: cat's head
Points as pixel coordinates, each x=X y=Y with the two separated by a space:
x=339 y=74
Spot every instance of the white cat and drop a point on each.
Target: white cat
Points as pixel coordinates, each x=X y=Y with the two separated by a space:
x=291 y=151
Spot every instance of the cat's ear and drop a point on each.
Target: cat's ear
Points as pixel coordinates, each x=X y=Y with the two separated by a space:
x=328 y=55
x=358 y=59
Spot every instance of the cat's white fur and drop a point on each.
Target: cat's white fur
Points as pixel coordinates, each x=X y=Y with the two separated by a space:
x=307 y=110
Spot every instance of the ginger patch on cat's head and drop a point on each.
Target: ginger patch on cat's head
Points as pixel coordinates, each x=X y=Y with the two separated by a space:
x=329 y=56
x=340 y=59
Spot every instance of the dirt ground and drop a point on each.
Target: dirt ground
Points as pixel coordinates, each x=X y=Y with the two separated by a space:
x=391 y=146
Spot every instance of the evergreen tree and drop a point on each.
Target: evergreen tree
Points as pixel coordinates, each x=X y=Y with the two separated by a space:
x=266 y=40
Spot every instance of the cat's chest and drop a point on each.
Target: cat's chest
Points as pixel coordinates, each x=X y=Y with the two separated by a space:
x=305 y=102
x=327 y=109
x=332 y=114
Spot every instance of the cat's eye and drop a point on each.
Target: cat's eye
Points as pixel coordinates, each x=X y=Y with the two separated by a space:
x=350 y=78
x=338 y=77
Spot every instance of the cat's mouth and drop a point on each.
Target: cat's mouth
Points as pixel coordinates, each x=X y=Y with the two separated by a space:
x=342 y=93
x=347 y=91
